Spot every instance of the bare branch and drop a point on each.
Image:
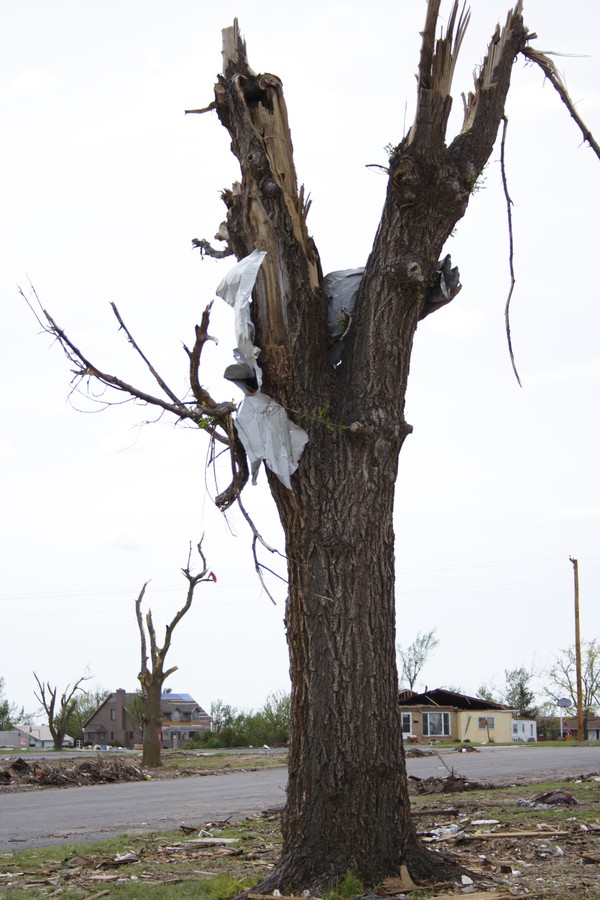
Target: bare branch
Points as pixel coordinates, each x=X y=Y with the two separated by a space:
x=542 y=59
x=161 y=382
x=85 y=368
x=258 y=566
x=193 y=582
x=239 y=468
x=509 y=204
x=140 y=621
x=154 y=650
x=195 y=354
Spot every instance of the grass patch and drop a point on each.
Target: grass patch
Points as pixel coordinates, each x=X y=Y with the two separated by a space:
x=191 y=761
x=346 y=888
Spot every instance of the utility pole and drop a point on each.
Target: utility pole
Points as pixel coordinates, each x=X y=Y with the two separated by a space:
x=580 y=735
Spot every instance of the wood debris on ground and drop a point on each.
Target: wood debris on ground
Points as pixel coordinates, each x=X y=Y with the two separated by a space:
x=98 y=770
x=451 y=784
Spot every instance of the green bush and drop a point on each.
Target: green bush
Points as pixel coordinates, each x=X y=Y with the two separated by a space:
x=231 y=728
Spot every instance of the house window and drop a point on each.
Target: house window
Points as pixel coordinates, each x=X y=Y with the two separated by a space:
x=406 y=723
x=486 y=722
x=113 y=715
x=436 y=724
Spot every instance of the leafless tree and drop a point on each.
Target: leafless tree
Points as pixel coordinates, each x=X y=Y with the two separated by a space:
x=153 y=673
x=344 y=382
x=415 y=656
x=59 y=710
x=562 y=678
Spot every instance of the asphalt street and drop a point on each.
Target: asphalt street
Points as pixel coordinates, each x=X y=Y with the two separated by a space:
x=45 y=817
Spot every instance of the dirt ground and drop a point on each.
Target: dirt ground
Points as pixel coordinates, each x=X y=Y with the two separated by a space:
x=535 y=841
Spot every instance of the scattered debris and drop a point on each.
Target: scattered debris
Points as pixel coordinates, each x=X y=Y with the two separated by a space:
x=98 y=770
x=444 y=286
x=417 y=751
x=485 y=835
x=534 y=859
x=558 y=797
x=450 y=784
x=391 y=887
x=33 y=773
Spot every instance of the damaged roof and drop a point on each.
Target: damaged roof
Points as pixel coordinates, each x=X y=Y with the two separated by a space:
x=443 y=697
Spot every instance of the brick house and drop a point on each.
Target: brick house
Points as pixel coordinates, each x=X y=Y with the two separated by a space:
x=115 y=721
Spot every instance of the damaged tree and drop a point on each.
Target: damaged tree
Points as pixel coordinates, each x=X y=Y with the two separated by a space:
x=59 y=714
x=339 y=370
x=347 y=800
x=153 y=678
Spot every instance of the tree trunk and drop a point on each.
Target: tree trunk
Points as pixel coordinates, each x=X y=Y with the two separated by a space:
x=346 y=765
x=347 y=805
x=151 y=752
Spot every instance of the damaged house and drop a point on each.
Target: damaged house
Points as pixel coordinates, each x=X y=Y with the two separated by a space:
x=443 y=715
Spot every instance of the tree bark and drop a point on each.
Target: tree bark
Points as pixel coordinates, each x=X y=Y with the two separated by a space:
x=152 y=745
x=347 y=804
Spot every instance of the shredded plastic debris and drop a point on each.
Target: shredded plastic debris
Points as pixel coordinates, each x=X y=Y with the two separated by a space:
x=341 y=289
x=262 y=424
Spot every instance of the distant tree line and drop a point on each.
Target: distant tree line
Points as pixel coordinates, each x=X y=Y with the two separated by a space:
x=67 y=711
x=234 y=728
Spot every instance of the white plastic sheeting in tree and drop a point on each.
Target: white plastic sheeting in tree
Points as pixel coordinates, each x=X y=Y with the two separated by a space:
x=262 y=424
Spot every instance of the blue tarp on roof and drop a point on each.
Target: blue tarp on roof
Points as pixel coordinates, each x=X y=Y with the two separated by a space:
x=184 y=698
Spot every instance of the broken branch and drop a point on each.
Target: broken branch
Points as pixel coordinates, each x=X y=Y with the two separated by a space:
x=207 y=249
x=542 y=59
x=509 y=204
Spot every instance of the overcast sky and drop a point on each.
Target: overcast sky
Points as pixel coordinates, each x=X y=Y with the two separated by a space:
x=104 y=182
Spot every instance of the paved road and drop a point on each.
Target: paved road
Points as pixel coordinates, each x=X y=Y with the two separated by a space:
x=519 y=764
x=42 y=818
